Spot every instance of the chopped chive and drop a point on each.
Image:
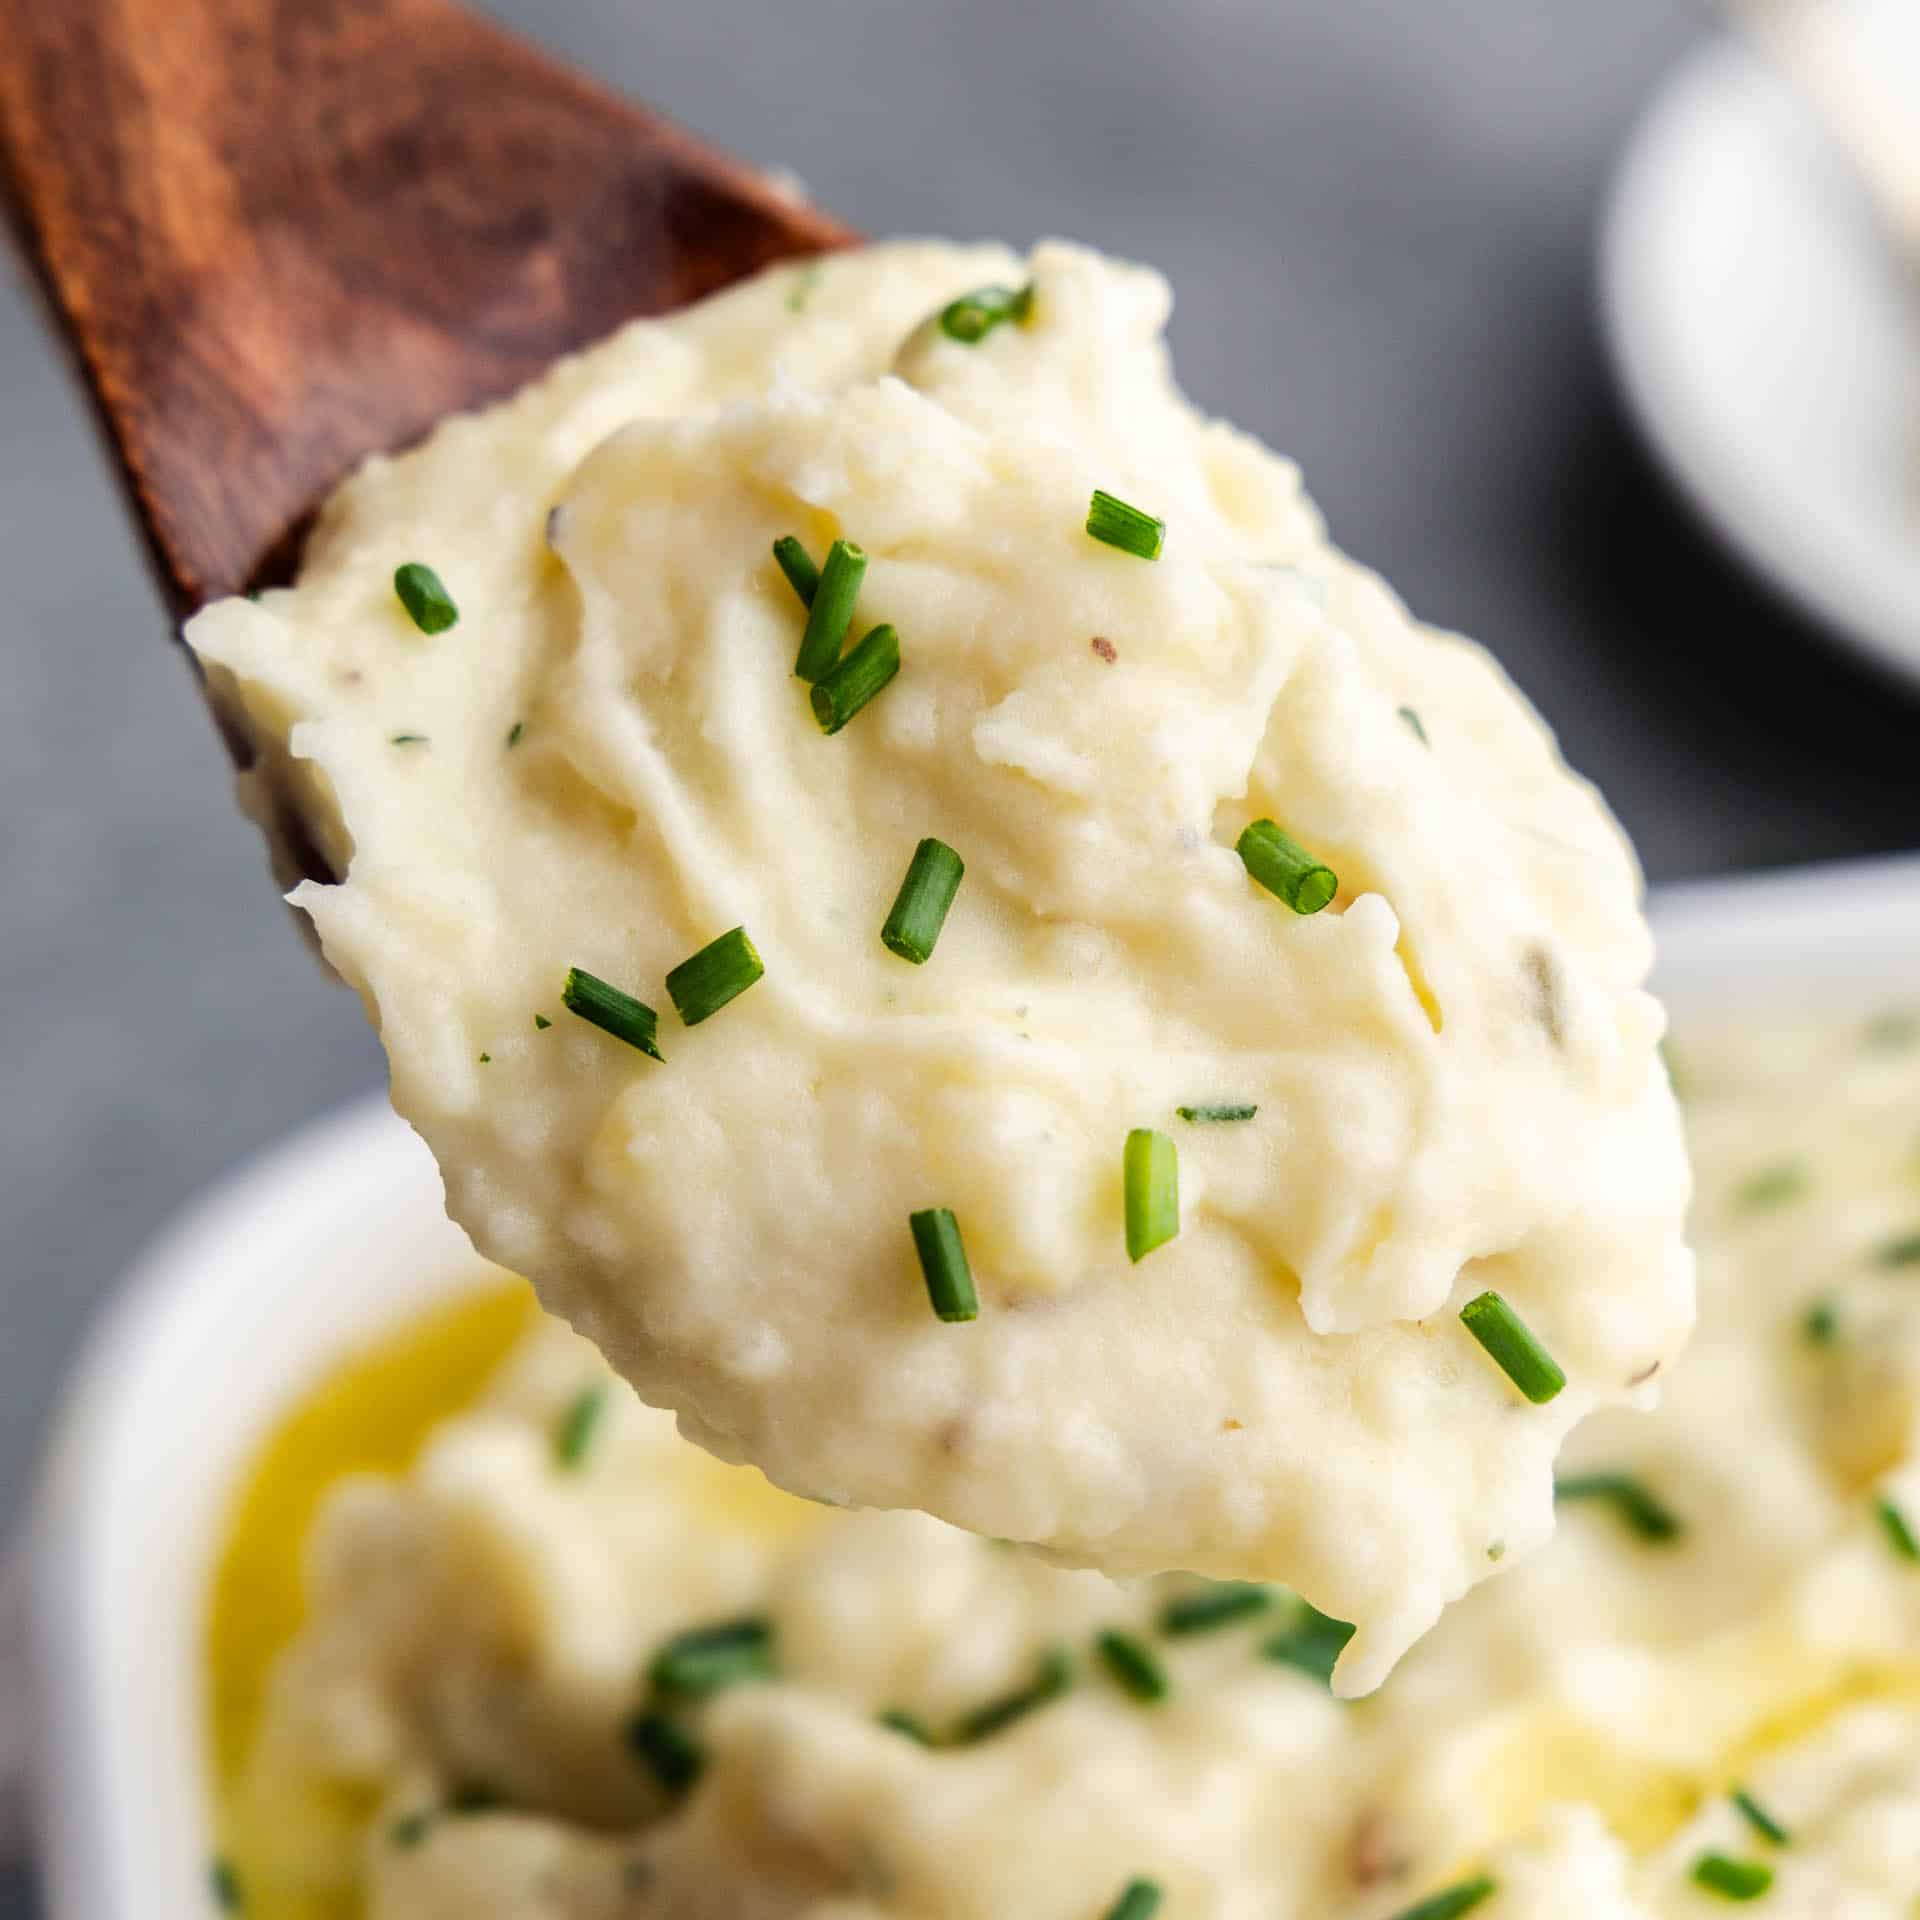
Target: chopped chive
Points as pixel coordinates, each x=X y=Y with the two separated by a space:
x=1133 y=1664
x=486 y=1059
x=920 y=907
x=1513 y=1347
x=1821 y=1323
x=1312 y=1641
x=1285 y=868
x=1893 y=1031
x=407 y=740
x=855 y=681
x=1771 y=1187
x=428 y=603
x=1115 y=524
x=804 y=282
x=830 y=610
x=224 y=1882
x=668 y=1750
x=1759 y=1819
x=1901 y=1251
x=578 y=1424
x=908 y=1724
x=943 y=1262
x=410 y=1829
x=612 y=1011
x=1413 y=720
x=721 y=971
x=1053 y=1677
x=541 y=1023
x=1218 y=1604
x=516 y=733
x=1150 y=1170
x=1732 y=1879
x=1453 y=1902
x=1208 y=1116
x=472 y=1798
x=1630 y=1498
x=1139 y=1900
x=706 y=1660
x=797 y=564
x=1898 y=1529
x=975 y=315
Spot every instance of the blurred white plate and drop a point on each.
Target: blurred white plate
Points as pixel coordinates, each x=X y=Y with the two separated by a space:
x=1769 y=340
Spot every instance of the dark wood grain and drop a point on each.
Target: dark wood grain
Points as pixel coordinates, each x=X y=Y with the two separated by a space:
x=282 y=234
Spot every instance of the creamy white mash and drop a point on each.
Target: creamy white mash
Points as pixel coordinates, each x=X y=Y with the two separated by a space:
x=1733 y=1609
x=609 y=762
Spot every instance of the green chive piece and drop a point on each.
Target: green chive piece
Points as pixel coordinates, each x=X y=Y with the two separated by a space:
x=408 y=740
x=223 y=1880
x=1413 y=720
x=1893 y=1031
x=975 y=315
x=908 y=1724
x=486 y=1059
x=1515 y=1351
x=707 y=1660
x=1898 y=1529
x=612 y=1011
x=1732 y=1879
x=1821 y=1323
x=574 y=1435
x=426 y=599
x=541 y=1023
x=830 y=610
x=804 y=283
x=1630 y=1498
x=1454 y=1902
x=1139 y=1900
x=1759 y=1819
x=1115 y=524
x=1134 y=1665
x=855 y=681
x=410 y=1829
x=1901 y=1251
x=516 y=733
x=1150 y=1170
x=1312 y=1641
x=721 y=971
x=797 y=564
x=472 y=1798
x=920 y=907
x=1211 y=1116
x=943 y=1262
x=1053 y=1677
x=1218 y=1604
x=1771 y=1187
x=667 y=1749
x=1285 y=868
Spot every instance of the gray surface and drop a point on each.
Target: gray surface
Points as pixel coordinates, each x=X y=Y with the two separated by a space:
x=1379 y=227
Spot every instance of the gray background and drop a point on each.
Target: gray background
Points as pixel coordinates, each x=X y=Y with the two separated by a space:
x=1378 y=216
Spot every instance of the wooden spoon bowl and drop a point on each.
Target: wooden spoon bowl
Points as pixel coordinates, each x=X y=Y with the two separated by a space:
x=280 y=235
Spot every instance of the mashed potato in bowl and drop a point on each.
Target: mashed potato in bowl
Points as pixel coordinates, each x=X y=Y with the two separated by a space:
x=1366 y=1090
x=567 y=1667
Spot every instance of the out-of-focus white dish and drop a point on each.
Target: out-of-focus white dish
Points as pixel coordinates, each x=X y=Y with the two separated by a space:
x=1768 y=338
x=338 y=1234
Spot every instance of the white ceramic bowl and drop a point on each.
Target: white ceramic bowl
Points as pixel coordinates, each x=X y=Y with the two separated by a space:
x=338 y=1233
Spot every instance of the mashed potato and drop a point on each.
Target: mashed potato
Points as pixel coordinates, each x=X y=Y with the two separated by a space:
x=1448 y=1079
x=1732 y=1604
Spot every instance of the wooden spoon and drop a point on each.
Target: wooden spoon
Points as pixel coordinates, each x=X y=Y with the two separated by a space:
x=280 y=235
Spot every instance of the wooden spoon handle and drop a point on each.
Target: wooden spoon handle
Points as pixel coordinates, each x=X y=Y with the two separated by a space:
x=281 y=234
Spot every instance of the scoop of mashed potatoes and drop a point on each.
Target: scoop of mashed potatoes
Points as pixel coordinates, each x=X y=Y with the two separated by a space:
x=608 y=1678
x=1448 y=1078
